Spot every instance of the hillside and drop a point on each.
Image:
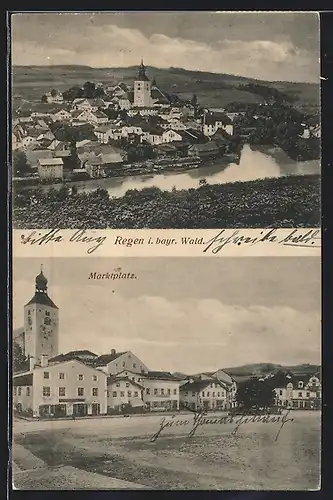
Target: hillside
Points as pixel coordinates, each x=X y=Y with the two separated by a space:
x=243 y=372
x=212 y=89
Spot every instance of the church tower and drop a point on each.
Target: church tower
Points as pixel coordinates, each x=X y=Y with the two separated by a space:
x=41 y=323
x=142 y=88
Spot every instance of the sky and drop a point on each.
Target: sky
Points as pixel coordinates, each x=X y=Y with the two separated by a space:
x=184 y=314
x=274 y=46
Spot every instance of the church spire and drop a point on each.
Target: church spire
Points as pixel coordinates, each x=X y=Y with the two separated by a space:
x=41 y=281
x=142 y=71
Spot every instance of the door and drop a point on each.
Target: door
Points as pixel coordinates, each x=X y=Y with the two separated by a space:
x=96 y=409
x=80 y=409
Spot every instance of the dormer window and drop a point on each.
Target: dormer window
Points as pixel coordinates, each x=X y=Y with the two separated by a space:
x=300 y=384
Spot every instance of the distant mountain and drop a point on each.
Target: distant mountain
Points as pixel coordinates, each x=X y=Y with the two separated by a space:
x=244 y=372
x=212 y=89
x=261 y=369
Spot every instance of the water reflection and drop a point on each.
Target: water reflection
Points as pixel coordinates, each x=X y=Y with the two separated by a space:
x=253 y=165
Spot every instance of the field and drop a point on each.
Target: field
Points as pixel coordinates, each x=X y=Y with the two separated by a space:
x=214 y=90
x=213 y=458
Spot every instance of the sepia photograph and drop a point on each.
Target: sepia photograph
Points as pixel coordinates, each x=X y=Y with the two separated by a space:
x=165 y=120
x=166 y=373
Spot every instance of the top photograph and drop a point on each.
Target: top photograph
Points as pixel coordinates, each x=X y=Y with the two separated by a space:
x=165 y=120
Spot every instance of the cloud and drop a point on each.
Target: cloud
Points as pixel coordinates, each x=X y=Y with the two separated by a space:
x=184 y=335
x=112 y=46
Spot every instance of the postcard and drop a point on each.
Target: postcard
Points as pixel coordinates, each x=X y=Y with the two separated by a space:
x=165 y=120
x=180 y=374
x=166 y=268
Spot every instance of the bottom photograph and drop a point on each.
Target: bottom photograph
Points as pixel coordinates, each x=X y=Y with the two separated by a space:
x=166 y=373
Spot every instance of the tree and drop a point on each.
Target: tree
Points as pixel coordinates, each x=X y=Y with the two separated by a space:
x=194 y=101
x=44 y=99
x=75 y=92
x=89 y=90
x=20 y=164
x=20 y=361
x=255 y=393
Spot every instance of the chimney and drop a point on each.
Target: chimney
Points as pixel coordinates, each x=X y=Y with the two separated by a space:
x=113 y=352
x=43 y=360
x=31 y=363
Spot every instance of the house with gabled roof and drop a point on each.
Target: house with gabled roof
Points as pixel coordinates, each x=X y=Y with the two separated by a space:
x=123 y=391
x=206 y=393
x=114 y=362
x=299 y=392
x=62 y=388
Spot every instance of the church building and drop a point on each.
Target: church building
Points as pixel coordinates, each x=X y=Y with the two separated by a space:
x=142 y=88
x=40 y=335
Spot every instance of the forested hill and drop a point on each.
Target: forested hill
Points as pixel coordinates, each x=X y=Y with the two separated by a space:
x=212 y=89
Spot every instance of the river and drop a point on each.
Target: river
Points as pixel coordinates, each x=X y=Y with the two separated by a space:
x=254 y=164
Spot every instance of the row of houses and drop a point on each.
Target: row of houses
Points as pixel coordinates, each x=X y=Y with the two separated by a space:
x=83 y=383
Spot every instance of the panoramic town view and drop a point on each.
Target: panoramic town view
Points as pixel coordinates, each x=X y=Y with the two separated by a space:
x=107 y=141
x=145 y=385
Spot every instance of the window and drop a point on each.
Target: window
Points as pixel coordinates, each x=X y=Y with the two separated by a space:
x=139 y=379
x=61 y=376
x=117 y=384
x=169 y=392
x=281 y=392
x=136 y=394
x=155 y=392
x=46 y=391
x=300 y=394
x=133 y=378
x=107 y=394
x=147 y=391
x=175 y=391
x=114 y=394
x=203 y=394
x=28 y=391
x=162 y=392
x=95 y=391
x=80 y=376
x=122 y=394
x=208 y=394
x=127 y=384
x=300 y=384
x=95 y=378
x=29 y=312
x=213 y=394
x=193 y=393
x=308 y=394
x=19 y=391
x=134 y=365
x=80 y=391
x=317 y=394
x=15 y=391
x=129 y=394
x=62 y=391
x=124 y=363
x=218 y=394
x=47 y=313
x=46 y=374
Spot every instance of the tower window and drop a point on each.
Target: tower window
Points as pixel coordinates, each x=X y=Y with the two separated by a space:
x=47 y=313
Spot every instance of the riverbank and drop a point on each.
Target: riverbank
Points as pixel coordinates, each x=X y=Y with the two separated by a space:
x=291 y=201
